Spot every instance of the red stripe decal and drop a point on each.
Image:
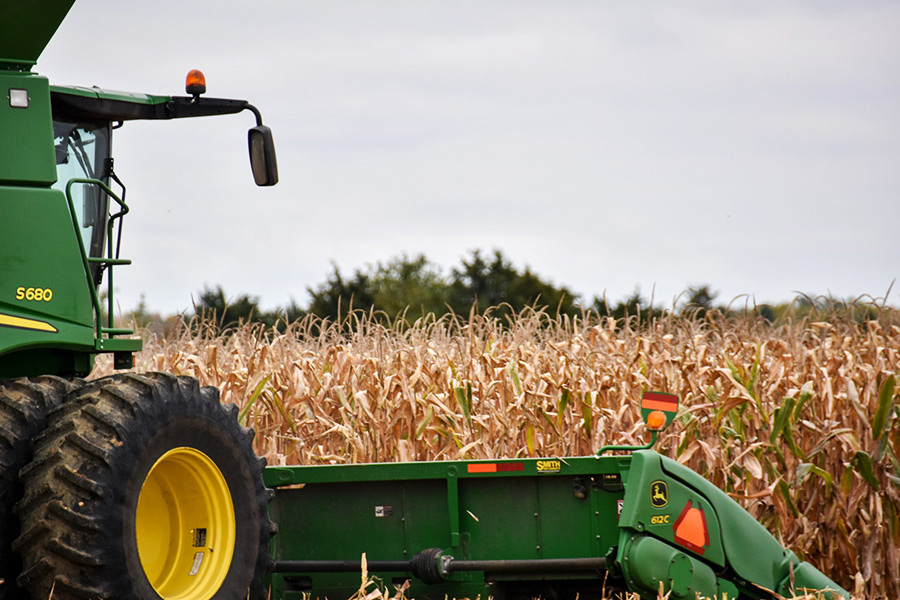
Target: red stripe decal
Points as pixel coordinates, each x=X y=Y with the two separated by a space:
x=511 y=467
x=659 y=401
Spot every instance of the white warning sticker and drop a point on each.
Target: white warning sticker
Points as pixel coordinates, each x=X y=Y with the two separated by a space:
x=198 y=559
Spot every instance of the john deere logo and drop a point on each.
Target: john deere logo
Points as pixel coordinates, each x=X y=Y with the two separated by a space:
x=659 y=494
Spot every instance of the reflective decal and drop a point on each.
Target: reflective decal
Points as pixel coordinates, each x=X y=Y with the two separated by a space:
x=494 y=467
x=198 y=560
x=20 y=323
x=690 y=529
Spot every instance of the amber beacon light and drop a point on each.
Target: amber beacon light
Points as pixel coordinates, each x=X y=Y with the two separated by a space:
x=195 y=83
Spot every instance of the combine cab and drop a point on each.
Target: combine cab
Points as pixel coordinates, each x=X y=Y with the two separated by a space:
x=62 y=203
x=145 y=486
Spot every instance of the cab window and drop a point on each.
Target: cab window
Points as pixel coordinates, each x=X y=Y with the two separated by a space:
x=81 y=152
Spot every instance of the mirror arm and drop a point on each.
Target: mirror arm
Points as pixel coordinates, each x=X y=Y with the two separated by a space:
x=256 y=112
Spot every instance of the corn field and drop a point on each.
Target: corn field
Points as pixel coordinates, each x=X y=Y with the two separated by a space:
x=798 y=420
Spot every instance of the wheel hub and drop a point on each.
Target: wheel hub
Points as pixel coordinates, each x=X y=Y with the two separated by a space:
x=185 y=526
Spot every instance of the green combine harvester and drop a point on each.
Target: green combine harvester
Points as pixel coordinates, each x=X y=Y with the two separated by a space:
x=144 y=486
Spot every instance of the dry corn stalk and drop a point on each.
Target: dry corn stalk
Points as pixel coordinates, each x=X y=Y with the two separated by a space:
x=798 y=422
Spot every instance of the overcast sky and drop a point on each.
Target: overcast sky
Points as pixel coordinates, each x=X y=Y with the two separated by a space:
x=751 y=146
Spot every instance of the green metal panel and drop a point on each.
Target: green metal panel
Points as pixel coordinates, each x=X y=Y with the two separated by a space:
x=26 y=27
x=751 y=550
x=540 y=517
x=645 y=511
x=648 y=562
x=342 y=521
x=39 y=251
x=26 y=143
x=276 y=477
x=379 y=511
x=102 y=94
x=806 y=577
x=489 y=506
x=472 y=510
x=565 y=520
x=736 y=539
x=674 y=528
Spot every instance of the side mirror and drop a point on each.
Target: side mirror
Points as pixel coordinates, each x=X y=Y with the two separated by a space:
x=262 y=156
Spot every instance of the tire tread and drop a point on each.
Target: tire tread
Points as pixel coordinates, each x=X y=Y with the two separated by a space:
x=25 y=404
x=75 y=486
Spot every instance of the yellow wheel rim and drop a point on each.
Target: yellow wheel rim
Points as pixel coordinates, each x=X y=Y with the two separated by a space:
x=185 y=526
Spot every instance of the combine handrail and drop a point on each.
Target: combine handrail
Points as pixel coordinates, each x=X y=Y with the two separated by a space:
x=613 y=447
x=109 y=260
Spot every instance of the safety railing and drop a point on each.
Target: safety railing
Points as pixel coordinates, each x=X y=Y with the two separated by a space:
x=108 y=261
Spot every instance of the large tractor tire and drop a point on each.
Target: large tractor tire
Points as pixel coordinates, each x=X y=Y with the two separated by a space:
x=144 y=487
x=24 y=405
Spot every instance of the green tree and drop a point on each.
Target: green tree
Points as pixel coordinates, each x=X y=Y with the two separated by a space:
x=634 y=306
x=485 y=283
x=414 y=285
x=335 y=296
x=699 y=300
x=417 y=286
x=399 y=285
x=214 y=306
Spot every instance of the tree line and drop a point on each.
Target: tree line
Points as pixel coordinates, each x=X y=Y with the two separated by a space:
x=411 y=287
x=406 y=287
